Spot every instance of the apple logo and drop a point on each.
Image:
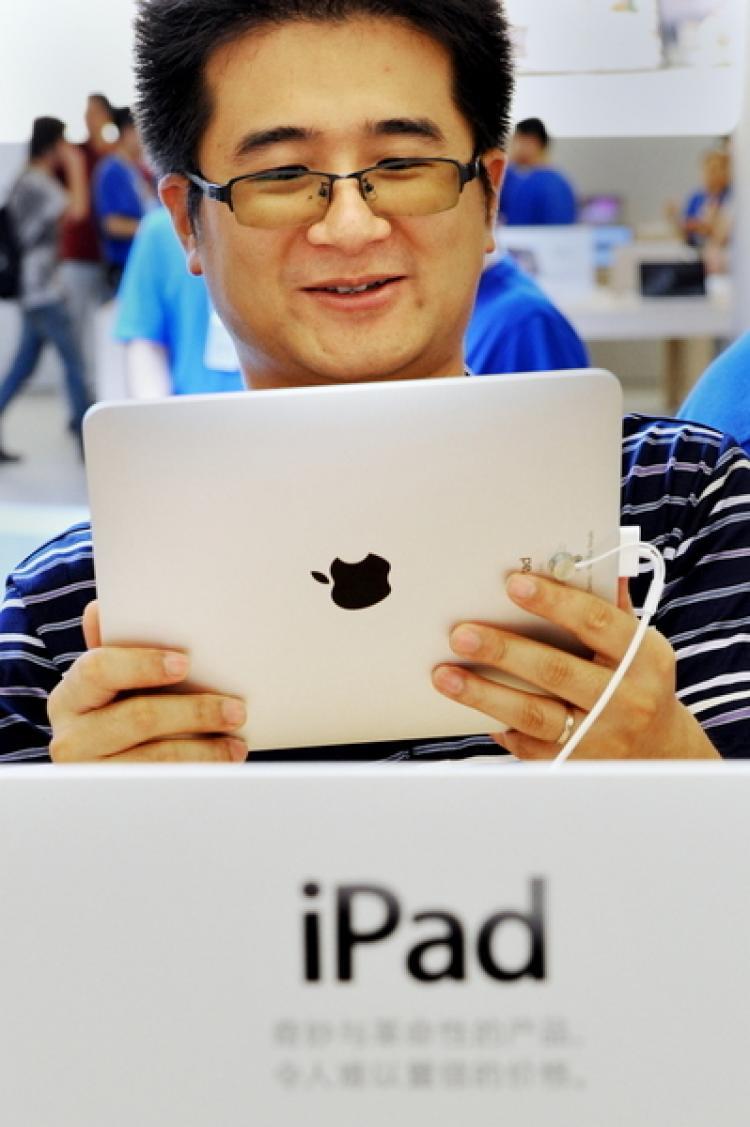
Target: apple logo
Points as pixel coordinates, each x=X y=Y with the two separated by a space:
x=357 y=586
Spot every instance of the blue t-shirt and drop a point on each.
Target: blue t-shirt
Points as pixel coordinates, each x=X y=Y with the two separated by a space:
x=516 y=328
x=694 y=208
x=119 y=189
x=721 y=398
x=161 y=302
x=537 y=197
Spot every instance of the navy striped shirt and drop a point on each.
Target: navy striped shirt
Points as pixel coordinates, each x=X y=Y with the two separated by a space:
x=688 y=487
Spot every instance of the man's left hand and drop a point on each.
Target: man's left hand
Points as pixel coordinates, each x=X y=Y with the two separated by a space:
x=644 y=719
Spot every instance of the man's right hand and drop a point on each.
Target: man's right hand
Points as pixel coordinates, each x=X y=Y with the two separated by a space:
x=90 y=724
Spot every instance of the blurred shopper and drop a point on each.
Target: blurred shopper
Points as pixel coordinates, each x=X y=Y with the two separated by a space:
x=534 y=193
x=176 y=344
x=82 y=269
x=37 y=204
x=516 y=328
x=721 y=397
x=122 y=196
x=705 y=221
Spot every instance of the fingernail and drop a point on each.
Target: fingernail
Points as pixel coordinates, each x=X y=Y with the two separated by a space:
x=176 y=665
x=238 y=751
x=449 y=681
x=466 y=640
x=233 y=711
x=522 y=587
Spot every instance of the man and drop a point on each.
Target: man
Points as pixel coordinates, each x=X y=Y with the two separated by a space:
x=122 y=196
x=516 y=328
x=534 y=194
x=174 y=342
x=704 y=218
x=292 y=115
x=705 y=222
x=82 y=269
x=37 y=205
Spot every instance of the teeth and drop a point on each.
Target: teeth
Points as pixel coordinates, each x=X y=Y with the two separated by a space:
x=354 y=289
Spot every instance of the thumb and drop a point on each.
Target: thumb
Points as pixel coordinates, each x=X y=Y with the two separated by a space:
x=91 y=631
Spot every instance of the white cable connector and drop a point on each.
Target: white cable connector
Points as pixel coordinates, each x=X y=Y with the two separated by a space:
x=631 y=551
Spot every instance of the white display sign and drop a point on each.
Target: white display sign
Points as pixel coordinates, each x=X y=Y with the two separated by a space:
x=331 y=946
x=560 y=259
x=608 y=68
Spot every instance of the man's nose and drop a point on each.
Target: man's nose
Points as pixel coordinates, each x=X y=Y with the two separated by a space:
x=349 y=224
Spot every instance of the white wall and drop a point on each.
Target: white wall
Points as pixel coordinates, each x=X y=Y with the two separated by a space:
x=742 y=208
x=12 y=159
x=53 y=53
x=646 y=171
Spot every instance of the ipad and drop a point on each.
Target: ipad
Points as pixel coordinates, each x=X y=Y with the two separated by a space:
x=312 y=548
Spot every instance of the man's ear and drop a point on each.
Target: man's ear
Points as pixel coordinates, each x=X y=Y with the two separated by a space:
x=173 y=193
x=495 y=162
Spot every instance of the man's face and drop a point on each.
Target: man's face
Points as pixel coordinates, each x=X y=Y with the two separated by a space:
x=96 y=117
x=716 y=173
x=526 y=150
x=337 y=97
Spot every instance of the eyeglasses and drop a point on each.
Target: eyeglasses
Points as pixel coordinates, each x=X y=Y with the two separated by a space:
x=296 y=196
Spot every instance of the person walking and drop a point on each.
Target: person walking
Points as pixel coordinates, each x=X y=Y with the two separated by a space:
x=122 y=196
x=37 y=205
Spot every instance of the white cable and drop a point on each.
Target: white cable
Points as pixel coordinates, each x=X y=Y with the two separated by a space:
x=653 y=598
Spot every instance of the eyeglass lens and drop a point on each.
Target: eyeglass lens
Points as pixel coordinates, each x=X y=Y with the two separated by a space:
x=423 y=188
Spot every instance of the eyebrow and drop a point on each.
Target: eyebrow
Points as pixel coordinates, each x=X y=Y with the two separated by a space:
x=407 y=127
x=264 y=138
x=422 y=127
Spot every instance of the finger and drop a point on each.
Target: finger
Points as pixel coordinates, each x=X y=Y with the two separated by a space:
x=95 y=679
x=601 y=627
x=146 y=719
x=91 y=631
x=541 y=717
x=623 y=596
x=221 y=750
x=527 y=748
x=556 y=672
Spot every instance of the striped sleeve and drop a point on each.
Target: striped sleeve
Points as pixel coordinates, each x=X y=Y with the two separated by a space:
x=688 y=487
x=40 y=638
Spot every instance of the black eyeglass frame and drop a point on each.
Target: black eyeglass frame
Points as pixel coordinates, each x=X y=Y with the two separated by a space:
x=223 y=192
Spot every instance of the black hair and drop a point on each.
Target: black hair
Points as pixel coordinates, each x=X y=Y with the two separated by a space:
x=174 y=39
x=45 y=133
x=122 y=118
x=105 y=103
x=534 y=127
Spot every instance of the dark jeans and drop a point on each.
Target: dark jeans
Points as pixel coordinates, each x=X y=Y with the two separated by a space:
x=48 y=323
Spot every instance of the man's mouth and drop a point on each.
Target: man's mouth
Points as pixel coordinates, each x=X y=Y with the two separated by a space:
x=345 y=289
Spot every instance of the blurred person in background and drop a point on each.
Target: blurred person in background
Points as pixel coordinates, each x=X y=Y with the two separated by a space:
x=705 y=220
x=534 y=193
x=82 y=268
x=516 y=328
x=122 y=196
x=37 y=204
x=175 y=342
